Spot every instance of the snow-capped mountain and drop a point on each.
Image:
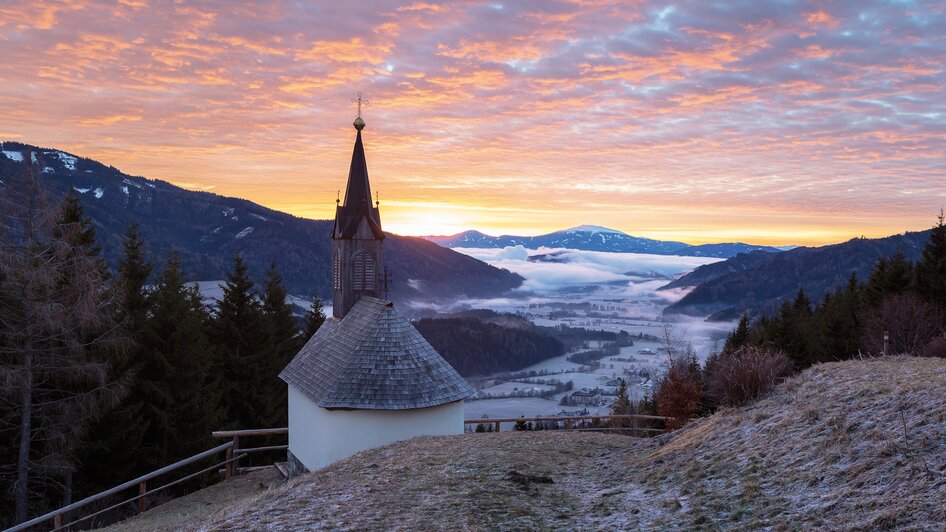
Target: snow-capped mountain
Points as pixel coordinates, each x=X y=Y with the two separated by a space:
x=206 y=230
x=597 y=238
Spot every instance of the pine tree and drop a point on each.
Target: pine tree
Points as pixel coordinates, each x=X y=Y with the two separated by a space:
x=314 y=318
x=931 y=269
x=284 y=342
x=739 y=336
x=622 y=406
x=183 y=411
x=115 y=454
x=238 y=333
x=75 y=226
x=889 y=277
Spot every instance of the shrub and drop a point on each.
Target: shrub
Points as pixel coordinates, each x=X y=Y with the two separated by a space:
x=935 y=348
x=911 y=323
x=680 y=392
x=734 y=379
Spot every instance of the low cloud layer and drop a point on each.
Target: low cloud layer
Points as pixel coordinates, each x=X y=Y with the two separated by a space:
x=575 y=268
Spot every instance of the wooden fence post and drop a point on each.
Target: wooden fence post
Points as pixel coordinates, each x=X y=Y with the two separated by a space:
x=57 y=522
x=498 y=424
x=142 y=502
x=236 y=453
x=228 y=467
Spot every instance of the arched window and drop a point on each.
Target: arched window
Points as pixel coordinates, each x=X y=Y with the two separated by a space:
x=337 y=272
x=363 y=273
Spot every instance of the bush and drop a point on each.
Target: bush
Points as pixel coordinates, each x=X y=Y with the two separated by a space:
x=910 y=322
x=679 y=394
x=736 y=378
x=936 y=348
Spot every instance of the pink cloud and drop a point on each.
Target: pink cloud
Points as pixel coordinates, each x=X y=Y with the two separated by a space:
x=644 y=115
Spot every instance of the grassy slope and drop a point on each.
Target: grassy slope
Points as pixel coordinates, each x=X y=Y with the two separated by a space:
x=827 y=449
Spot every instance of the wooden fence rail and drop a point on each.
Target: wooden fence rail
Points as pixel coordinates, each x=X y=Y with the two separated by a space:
x=569 y=421
x=143 y=491
x=231 y=468
x=235 y=435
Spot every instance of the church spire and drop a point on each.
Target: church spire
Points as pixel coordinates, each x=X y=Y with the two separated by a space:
x=358 y=202
x=357 y=238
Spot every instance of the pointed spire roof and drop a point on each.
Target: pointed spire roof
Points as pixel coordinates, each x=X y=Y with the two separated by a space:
x=373 y=359
x=358 y=201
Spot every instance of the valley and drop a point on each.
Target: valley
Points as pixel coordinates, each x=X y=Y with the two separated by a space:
x=612 y=292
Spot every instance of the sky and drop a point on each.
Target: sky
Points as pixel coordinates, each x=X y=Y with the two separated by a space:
x=769 y=122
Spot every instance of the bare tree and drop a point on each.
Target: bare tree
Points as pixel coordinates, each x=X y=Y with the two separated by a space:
x=57 y=332
x=910 y=322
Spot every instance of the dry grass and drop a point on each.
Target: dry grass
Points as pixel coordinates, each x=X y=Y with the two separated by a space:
x=852 y=445
x=182 y=513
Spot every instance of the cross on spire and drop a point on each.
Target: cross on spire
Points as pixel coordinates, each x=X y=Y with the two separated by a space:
x=362 y=100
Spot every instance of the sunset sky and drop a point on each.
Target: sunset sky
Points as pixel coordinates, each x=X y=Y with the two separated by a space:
x=768 y=122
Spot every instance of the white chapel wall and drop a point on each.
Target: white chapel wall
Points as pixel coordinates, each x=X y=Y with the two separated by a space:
x=319 y=437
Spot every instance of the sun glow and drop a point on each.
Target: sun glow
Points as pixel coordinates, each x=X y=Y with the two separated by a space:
x=424 y=219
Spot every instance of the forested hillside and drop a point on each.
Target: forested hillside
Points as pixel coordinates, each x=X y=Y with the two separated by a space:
x=476 y=347
x=206 y=230
x=759 y=283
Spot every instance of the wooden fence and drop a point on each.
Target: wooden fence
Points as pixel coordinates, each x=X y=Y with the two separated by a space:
x=234 y=468
x=568 y=422
x=233 y=454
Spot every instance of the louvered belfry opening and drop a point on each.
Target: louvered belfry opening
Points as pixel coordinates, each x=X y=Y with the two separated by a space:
x=363 y=274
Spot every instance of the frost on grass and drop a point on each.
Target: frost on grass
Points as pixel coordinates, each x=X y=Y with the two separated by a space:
x=856 y=444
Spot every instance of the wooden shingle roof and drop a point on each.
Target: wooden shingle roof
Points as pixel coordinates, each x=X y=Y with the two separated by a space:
x=373 y=359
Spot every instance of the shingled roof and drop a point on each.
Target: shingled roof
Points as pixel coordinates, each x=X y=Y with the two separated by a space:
x=373 y=359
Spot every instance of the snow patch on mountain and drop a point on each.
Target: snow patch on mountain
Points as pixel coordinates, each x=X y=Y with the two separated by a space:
x=67 y=160
x=592 y=229
x=14 y=155
x=244 y=232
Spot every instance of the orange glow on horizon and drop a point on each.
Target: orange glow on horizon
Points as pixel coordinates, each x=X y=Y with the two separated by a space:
x=700 y=122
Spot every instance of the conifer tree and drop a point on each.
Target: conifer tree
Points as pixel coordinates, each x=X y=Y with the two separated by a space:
x=115 y=454
x=931 y=269
x=622 y=406
x=739 y=336
x=314 y=318
x=284 y=341
x=238 y=332
x=184 y=411
x=75 y=226
x=890 y=276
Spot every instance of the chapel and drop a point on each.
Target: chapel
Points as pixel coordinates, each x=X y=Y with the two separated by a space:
x=367 y=377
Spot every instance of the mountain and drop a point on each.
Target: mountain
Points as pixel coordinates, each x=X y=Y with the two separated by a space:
x=208 y=229
x=596 y=238
x=759 y=282
x=710 y=272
